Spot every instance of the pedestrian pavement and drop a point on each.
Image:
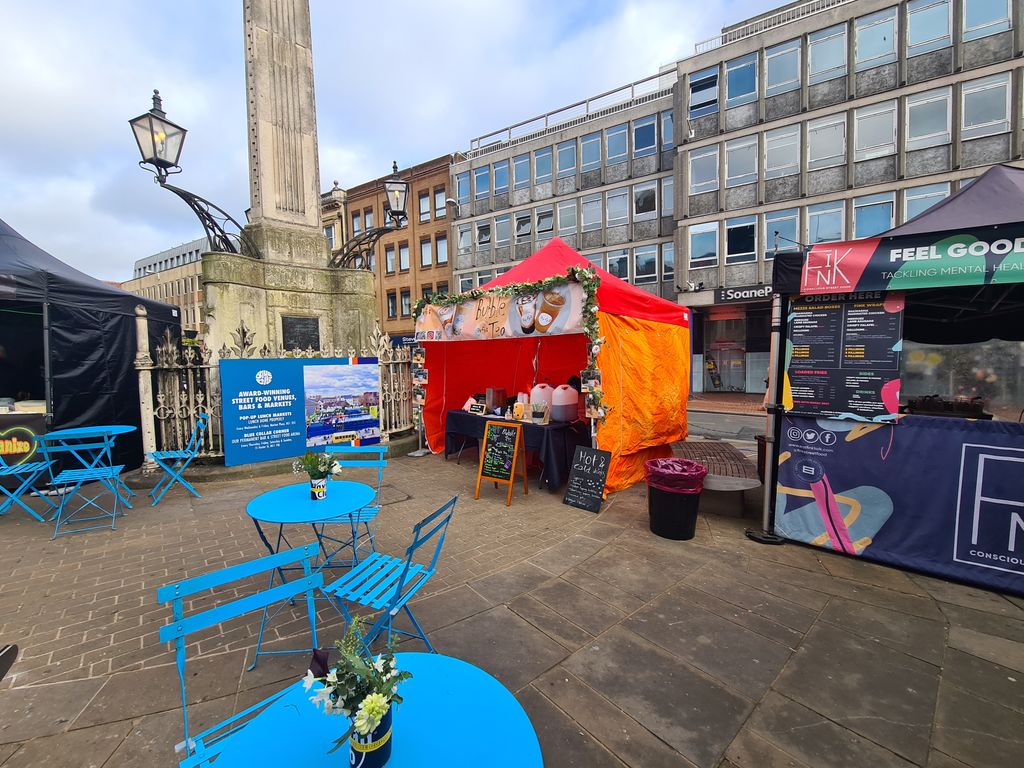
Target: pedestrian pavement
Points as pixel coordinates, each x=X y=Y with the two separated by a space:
x=624 y=648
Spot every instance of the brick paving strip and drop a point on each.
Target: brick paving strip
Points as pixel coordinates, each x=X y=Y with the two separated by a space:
x=625 y=649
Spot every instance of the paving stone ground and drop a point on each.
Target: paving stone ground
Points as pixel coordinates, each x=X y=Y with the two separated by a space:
x=625 y=649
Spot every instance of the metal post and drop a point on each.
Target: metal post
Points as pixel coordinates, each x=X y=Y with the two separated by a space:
x=144 y=365
x=47 y=370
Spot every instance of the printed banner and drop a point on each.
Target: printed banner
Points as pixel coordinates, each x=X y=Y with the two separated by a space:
x=277 y=408
x=555 y=311
x=939 y=495
x=981 y=256
x=17 y=445
x=843 y=355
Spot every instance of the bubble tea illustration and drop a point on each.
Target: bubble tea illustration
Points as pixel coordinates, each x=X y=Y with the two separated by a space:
x=526 y=310
x=552 y=302
x=446 y=315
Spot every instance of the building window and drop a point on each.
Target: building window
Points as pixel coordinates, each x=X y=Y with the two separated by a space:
x=426 y=258
x=741 y=80
x=875 y=131
x=389 y=259
x=465 y=283
x=985 y=17
x=392 y=305
x=873 y=214
x=403 y=257
x=590 y=149
x=329 y=234
x=703 y=248
x=545 y=221
x=483 y=278
x=645 y=201
x=782 y=68
x=591 y=213
x=825 y=222
x=668 y=196
x=668 y=135
x=645 y=140
x=521 y=171
x=986 y=106
x=427 y=291
x=617 y=206
x=919 y=199
x=597 y=259
x=567 y=218
x=462 y=188
x=483 y=234
x=781 y=231
x=668 y=261
x=703 y=92
x=874 y=39
x=465 y=238
x=440 y=203
x=502 y=229
x=368 y=218
x=424 y=201
x=741 y=240
x=928 y=26
x=442 y=288
x=618 y=263
x=615 y=142
x=542 y=165
x=826 y=142
x=704 y=170
x=406 y=303
x=645 y=264
x=357 y=223
x=441 y=248
x=373 y=261
x=741 y=161
x=482 y=183
x=524 y=226
x=501 y=177
x=782 y=152
x=928 y=118
x=567 y=159
x=826 y=54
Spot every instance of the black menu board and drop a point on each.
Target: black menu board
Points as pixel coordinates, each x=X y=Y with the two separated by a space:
x=844 y=355
x=585 y=489
x=499 y=451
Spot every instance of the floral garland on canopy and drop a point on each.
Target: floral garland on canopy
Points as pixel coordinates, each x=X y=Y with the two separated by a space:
x=588 y=280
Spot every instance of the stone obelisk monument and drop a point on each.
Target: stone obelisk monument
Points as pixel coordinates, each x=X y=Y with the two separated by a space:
x=285 y=295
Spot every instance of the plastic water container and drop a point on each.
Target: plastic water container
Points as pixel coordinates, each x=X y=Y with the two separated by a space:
x=542 y=393
x=564 y=403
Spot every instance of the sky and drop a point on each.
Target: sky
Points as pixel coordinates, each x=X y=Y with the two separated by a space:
x=335 y=380
x=406 y=81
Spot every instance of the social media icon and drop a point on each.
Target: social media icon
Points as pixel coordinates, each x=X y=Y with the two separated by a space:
x=827 y=438
x=794 y=433
x=811 y=435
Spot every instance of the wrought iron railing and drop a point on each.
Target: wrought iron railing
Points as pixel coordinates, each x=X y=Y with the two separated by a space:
x=763 y=24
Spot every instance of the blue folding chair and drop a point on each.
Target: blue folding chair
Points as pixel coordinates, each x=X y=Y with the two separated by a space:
x=227 y=739
x=26 y=474
x=367 y=516
x=381 y=582
x=173 y=463
x=69 y=481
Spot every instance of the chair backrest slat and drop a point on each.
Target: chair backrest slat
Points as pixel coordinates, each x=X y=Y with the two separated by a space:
x=362 y=463
x=196 y=439
x=380 y=450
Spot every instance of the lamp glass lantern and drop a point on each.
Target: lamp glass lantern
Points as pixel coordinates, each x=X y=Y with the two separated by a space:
x=160 y=141
x=396 y=192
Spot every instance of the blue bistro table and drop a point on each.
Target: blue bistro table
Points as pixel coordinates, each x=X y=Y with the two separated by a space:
x=91 y=447
x=452 y=714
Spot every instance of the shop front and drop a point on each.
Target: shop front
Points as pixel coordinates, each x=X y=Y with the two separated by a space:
x=731 y=341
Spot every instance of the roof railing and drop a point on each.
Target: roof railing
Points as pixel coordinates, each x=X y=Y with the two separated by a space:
x=758 y=26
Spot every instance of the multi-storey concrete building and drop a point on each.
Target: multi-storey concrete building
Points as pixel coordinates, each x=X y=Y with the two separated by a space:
x=174 y=276
x=411 y=262
x=825 y=121
x=597 y=174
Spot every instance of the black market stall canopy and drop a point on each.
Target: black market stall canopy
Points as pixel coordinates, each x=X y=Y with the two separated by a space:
x=88 y=338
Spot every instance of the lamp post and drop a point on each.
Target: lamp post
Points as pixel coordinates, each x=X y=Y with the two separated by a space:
x=160 y=142
x=356 y=252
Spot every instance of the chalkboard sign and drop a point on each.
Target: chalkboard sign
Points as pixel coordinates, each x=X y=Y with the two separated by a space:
x=585 y=489
x=300 y=332
x=500 y=456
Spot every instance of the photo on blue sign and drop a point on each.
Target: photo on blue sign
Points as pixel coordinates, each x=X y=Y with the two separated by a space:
x=342 y=404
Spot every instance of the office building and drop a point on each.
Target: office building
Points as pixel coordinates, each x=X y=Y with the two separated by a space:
x=174 y=276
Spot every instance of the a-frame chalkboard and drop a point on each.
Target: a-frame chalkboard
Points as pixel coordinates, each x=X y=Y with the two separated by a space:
x=501 y=455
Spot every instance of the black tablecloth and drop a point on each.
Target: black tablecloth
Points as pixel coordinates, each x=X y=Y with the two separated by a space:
x=554 y=443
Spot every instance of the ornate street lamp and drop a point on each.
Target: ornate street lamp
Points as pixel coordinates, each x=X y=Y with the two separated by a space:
x=160 y=142
x=355 y=254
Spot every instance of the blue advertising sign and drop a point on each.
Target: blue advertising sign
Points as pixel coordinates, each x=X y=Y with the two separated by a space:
x=939 y=495
x=279 y=408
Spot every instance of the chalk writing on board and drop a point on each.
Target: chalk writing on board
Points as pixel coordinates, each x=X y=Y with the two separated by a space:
x=585 y=489
x=499 y=451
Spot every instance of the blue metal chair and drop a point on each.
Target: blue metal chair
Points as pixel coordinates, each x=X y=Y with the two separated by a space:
x=228 y=738
x=367 y=516
x=26 y=474
x=174 y=463
x=387 y=584
x=69 y=481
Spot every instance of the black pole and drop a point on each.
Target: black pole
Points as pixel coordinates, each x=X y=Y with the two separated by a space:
x=47 y=374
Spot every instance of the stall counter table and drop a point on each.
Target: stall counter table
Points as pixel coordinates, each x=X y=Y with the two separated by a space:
x=554 y=443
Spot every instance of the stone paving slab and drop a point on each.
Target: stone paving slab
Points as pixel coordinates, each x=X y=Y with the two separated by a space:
x=625 y=649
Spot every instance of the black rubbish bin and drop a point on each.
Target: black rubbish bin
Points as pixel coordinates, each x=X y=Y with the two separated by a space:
x=673 y=496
